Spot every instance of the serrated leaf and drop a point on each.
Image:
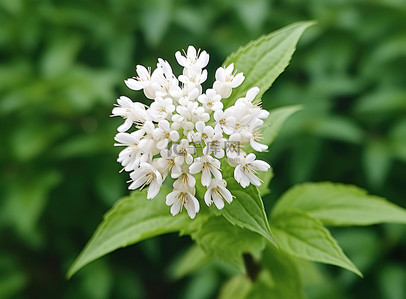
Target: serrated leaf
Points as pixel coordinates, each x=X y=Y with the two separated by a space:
x=221 y=239
x=132 y=219
x=302 y=236
x=275 y=121
x=264 y=59
x=247 y=209
x=339 y=205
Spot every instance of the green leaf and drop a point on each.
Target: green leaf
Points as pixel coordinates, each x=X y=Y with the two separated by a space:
x=397 y=137
x=202 y=284
x=377 y=160
x=60 y=55
x=24 y=203
x=284 y=272
x=132 y=219
x=237 y=287
x=159 y=13
x=279 y=278
x=339 y=205
x=337 y=128
x=266 y=178
x=194 y=258
x=264 y=59
x=221 y=239
x=252 y=13
x=392 y=281
x=302 y=236
x=275 y=121
x=247 y=209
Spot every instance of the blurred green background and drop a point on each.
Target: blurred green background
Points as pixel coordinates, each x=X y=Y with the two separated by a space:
x=62 y=67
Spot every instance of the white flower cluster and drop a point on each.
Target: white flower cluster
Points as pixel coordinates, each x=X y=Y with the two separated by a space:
x=186 y=132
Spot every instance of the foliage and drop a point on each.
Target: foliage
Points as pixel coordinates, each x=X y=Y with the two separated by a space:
x=62 y=64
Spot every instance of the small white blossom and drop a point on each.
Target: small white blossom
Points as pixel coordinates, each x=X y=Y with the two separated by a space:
x=166 y=163
x=208 y=166
x=183 y=198
x=130 y=157
x=147 y=144
x=165 y=79
x=254 y=109
x=184 y=152
x=225 y=121
x=233 y=148
x=192 y=58
x=144 y=81
x=246 y=171
x=252 y=135
x=184 y=179
x=164 y=133
x=217 y=193
x=133 y=113
x=215 y=143
x=193 y=78
x=146 y=174
x=211 y=100
x=226 y=81
x=161 y=109
x=203 y=132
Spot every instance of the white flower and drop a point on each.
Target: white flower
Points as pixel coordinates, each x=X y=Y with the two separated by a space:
x=211 y=100
x=252 y=108
x=188 y=95
x=179 y=198
x=133 y=113
x=192 y=112
x=199 y=114
x=184 y=179
x=166 y=163
x=225 y=121
x=144 y=81
x=161 y=109
x=193 y=78
x=214 y=143
x=147 y=143
x=203 y=132
x=192 y=58
x=208 y=166
x=181 y=122
x=225 y=81
x=246 y=171
x=130 y=157
x=163 y=133
x=167 y=82
x=217 y=193
x=183 y=152
x=252 y=135
x=146 y=174
x=233 y=146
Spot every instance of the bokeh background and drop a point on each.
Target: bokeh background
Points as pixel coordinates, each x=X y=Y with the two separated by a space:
x=62 y=67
